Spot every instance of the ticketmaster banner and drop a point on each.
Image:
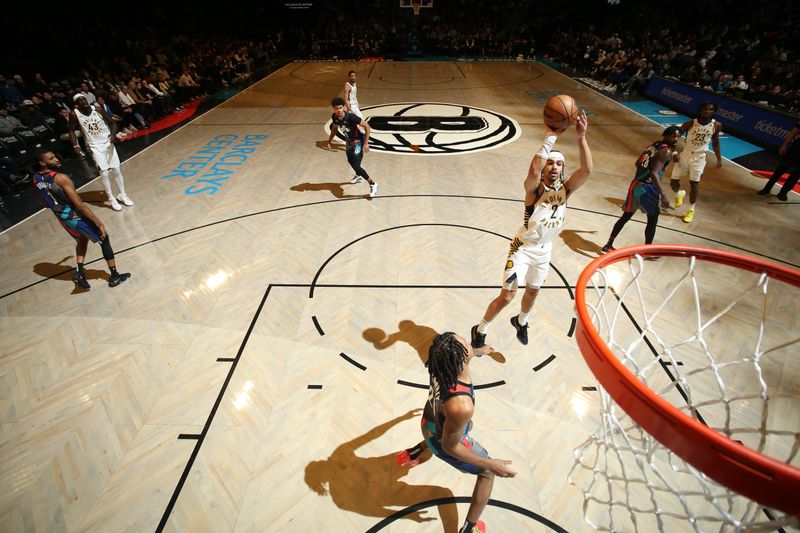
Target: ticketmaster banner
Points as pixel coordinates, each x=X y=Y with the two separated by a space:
x=751 y=121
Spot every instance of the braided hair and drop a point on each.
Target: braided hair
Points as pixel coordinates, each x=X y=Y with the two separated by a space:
x=446 y=358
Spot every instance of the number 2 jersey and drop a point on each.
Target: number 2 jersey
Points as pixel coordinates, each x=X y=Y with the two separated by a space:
x=543 y=219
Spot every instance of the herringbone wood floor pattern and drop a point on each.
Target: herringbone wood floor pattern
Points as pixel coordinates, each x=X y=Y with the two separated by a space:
x=106 y=391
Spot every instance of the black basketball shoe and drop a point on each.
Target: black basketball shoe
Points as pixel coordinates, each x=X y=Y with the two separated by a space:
x=478 y=339
x=115 y=280
x=80 y=280
x=522 y=331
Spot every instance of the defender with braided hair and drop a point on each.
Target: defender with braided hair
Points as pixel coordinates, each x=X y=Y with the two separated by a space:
x=447 y=420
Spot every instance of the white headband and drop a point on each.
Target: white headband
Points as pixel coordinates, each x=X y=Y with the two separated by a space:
x=555 y=155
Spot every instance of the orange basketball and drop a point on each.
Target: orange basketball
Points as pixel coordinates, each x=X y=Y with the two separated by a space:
x=560 y=112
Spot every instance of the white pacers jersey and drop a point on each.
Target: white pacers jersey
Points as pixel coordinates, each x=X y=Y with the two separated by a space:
x=95 y=130
x=698 y=137
x=352 y=99
x=543 y=219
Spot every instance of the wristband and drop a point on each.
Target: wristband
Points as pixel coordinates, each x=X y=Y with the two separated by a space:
x=76 y=145
x=547 y=145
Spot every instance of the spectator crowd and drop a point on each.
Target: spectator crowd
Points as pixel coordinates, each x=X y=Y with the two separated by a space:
x=739 y=50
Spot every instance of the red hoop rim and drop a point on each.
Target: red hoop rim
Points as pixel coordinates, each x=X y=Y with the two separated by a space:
x=763 y=479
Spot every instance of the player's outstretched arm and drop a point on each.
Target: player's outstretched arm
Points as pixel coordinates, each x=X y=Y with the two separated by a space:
x=539 y=160
x=579 y=177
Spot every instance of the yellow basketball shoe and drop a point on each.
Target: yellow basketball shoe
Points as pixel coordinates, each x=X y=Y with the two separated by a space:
x=678 y=200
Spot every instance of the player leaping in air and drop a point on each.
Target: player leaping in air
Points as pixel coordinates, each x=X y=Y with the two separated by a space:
x=546 y=194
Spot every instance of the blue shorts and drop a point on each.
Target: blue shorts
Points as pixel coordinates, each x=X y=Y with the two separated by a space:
x=82 y=228
x=437 y=450
x=643 y=196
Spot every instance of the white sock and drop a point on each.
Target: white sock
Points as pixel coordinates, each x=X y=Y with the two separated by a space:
x=120 y=181
x=483 y=327
x=691 y=207
x=522 y=318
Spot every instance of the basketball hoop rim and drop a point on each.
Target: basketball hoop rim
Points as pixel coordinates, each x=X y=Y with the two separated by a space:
x=761 y=478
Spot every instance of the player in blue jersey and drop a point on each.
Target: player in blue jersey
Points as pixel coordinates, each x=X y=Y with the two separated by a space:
x=645 y=191
x=58 y=193
x=357 y=143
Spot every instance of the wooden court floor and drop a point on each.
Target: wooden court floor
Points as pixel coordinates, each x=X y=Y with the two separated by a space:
x=265 y=361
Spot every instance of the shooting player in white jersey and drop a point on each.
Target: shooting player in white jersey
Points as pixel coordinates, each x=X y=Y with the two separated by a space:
x=546 y=193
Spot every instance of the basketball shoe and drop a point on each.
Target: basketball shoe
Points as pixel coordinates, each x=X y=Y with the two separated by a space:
x=478 y=339
x=80 y=280
x=115 y=280
x=678 y=200
x=522 y=331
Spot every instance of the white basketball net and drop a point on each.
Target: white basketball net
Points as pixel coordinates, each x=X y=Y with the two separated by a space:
x=747 y=389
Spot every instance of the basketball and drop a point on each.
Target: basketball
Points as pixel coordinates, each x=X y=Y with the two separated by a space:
x=560 y=112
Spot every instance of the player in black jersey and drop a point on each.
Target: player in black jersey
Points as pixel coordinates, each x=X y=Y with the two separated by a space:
x=645 y=191
x=357 y=142
x=58 y=193
x=447 y=420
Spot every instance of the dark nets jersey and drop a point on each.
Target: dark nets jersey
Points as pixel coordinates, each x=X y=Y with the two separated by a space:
x=644 y=169
x=54 y=196
x=348 y=126
x=437 y=396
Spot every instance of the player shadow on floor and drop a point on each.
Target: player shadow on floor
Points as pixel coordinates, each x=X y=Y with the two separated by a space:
x=335 y=147
x=96 y=198
x=371 y=486
x=619 y=202
x=63 y=272
x=417 y=336
x=335 y=189
x=580 y=245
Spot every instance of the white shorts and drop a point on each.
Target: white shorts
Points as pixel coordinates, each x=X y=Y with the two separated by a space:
x=105 y=156
x=691 y=163
x=528 y=263
x=356 y=111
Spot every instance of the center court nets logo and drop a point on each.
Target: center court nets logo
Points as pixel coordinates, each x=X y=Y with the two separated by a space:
x=418 y=128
